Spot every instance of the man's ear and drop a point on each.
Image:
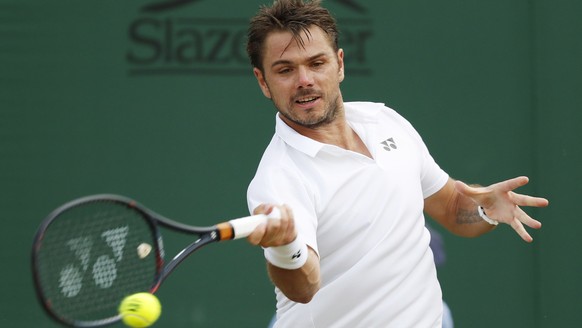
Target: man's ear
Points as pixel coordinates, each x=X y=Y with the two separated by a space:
x=262 y=82
x=340 y=61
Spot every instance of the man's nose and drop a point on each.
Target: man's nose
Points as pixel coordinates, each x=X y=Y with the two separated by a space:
x=305 y=77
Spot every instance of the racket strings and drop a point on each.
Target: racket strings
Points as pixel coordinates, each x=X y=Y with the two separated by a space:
x=94 y=255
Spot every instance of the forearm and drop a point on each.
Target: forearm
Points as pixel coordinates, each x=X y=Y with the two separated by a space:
x=299 y=285
x=465 y=220
x=456 y=212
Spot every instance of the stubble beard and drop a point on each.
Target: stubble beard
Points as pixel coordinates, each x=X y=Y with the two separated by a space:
x=312 y=121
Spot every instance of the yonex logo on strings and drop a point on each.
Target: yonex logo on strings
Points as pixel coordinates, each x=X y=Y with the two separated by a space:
x=389 y=144
x=104 y=269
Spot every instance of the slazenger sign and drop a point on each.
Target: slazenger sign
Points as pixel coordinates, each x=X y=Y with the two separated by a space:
x=163 y=42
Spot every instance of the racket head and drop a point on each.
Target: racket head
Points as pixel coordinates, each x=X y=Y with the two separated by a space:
x=91 y=253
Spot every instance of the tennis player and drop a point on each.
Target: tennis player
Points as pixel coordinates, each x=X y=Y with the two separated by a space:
x=352 y=180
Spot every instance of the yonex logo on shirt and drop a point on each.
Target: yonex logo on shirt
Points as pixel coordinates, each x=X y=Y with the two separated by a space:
x=389 y=144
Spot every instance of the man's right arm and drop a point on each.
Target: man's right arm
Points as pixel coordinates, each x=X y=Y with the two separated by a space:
x=298 y=284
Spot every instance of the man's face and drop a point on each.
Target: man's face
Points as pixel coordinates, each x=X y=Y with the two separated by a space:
x=302 y=81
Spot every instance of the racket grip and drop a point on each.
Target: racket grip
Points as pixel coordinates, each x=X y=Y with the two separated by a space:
x=245 y=226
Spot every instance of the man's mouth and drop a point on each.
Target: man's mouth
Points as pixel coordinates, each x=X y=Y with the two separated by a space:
x=306 y=100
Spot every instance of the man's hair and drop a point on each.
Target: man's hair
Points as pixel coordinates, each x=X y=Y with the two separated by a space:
x=295 y=16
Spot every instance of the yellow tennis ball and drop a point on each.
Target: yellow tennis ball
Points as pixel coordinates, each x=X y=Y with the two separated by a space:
x=140 y=310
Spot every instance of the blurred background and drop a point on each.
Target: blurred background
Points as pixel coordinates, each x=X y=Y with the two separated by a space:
x=155 y=100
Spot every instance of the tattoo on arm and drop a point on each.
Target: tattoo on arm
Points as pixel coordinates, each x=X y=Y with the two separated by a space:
x=468 y=216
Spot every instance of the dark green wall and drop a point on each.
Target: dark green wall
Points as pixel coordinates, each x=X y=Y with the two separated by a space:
x=108 y=96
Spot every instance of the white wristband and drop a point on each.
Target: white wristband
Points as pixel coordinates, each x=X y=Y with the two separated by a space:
x=291 y=256
x=485 y=217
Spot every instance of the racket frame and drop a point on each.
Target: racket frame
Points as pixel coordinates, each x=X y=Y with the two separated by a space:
x=207 y=235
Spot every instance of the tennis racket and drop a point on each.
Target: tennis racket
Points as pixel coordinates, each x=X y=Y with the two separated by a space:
x=94 y=251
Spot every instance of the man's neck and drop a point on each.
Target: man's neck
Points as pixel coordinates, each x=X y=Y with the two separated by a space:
x=338 y=133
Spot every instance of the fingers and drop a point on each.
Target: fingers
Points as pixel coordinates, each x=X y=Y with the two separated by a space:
x=525 y=200
x=517 y=221
x=467 y=190
x=522 y=217
x=275 y=232
x=512 y=184
x=255 y=237
x=518 y=227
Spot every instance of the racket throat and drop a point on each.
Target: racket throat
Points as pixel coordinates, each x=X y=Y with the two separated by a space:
x=180 y=257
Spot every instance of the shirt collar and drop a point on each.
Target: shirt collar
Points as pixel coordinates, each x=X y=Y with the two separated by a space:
x=296 y=140
x=354 y=114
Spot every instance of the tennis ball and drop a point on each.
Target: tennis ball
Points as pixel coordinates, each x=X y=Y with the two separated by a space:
x=140 y=310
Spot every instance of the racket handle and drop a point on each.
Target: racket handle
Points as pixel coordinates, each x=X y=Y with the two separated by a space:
x=245 y=226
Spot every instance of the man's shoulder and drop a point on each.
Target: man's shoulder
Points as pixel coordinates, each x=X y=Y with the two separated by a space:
x=367 y=110
x=363 y=105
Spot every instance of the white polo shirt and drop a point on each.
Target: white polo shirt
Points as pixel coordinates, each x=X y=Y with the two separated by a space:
x=363 y=216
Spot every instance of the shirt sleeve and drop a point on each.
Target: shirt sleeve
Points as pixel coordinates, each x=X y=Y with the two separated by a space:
x=278 y=184
x=432 y=177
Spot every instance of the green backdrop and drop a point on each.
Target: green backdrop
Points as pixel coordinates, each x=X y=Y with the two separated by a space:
x=155 y=100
